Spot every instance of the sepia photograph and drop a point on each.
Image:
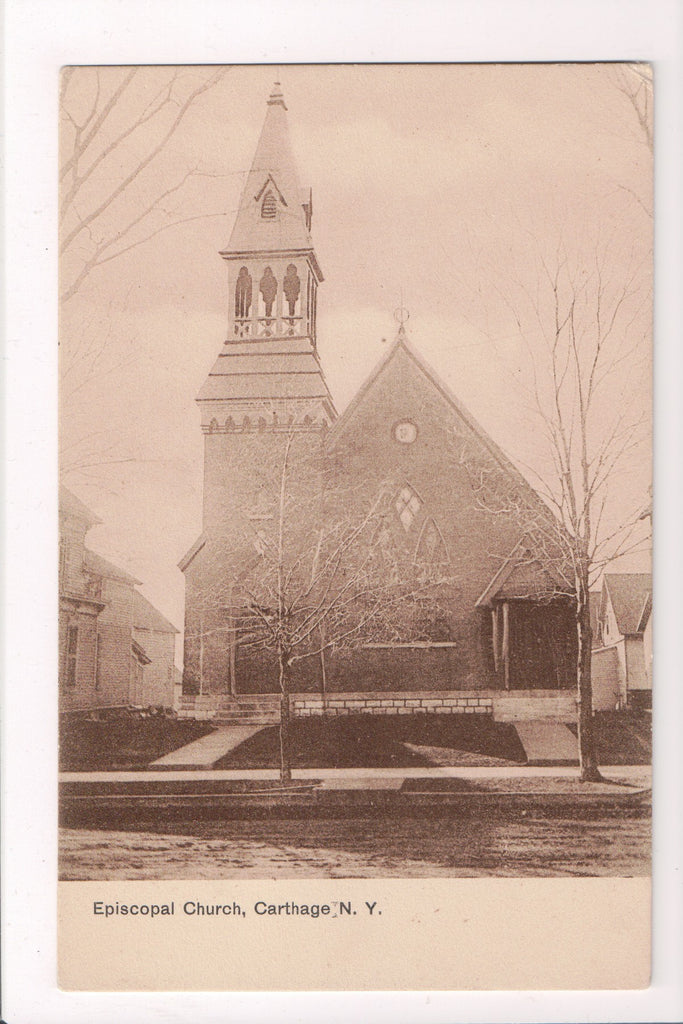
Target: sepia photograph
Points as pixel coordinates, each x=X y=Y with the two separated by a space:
x=355 y=491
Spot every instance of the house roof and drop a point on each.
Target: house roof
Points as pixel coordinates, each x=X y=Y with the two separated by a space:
x=631 y=596
x=71 y=505
x=273 y=168
x=101 y=566
x=146 y=616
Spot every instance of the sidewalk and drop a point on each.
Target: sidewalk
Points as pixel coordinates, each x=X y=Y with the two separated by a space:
x=637 y=775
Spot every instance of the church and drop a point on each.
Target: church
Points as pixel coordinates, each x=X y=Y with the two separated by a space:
x=496 y=635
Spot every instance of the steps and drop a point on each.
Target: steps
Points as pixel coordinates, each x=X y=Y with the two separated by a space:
x=258 y=710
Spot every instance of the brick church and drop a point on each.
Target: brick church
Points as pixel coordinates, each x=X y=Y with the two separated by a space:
x=501 y=639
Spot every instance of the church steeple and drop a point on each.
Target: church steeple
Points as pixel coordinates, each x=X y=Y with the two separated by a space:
x=269 y=369
x=274 y=213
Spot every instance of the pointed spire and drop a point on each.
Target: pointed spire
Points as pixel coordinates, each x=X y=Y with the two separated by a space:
x=271 y=215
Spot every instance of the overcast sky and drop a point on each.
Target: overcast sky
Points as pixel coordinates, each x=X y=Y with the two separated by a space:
x=432 y=185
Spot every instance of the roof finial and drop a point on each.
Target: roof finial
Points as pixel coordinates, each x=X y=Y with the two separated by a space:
x=401 y=316
x=276 y=98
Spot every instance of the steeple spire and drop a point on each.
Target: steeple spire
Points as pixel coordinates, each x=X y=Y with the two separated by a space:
x=268 y=373
x=274 y=214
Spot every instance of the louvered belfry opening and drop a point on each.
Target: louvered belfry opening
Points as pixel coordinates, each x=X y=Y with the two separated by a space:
x=269 y=206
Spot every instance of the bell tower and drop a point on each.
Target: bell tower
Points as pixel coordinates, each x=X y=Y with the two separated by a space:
x=264 y=405
x=268 y=375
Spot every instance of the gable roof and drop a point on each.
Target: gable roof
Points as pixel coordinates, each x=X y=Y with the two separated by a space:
x=520 y=576
x=102 y=567
x=146 y=616
x=400 y=347
x=71 y=505
x=630 y=594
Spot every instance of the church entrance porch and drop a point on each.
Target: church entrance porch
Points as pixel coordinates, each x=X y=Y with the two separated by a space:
x=534 y=645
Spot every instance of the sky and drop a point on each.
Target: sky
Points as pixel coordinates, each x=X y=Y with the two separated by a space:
x=438 y=188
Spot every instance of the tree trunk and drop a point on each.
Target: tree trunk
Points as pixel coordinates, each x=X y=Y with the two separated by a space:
x=588 y=762
x=285 y=754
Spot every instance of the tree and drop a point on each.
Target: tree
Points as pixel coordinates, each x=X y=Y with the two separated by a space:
x=122 y=182
x=311 y=569
x=584 y=328
x=112 y=143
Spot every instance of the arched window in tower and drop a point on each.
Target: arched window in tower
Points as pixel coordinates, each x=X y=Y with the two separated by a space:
x=269 y=206
x=407 y=505
x=243 y=293
x=291 y=286
x=268 y=289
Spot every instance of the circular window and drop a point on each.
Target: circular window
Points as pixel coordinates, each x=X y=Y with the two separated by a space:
x=405 y=432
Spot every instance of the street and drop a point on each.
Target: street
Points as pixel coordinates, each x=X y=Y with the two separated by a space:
x=362 y=848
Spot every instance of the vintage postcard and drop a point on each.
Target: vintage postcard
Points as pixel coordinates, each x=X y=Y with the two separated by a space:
x=355 y=503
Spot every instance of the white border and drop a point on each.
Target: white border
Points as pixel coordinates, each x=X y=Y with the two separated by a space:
x=40 y=37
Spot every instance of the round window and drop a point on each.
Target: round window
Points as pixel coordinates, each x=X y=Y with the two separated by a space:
x=405 y=432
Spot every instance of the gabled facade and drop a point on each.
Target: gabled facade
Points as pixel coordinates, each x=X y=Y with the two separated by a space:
x=80 y=605
x=501 y=625
x=625 y=635
x=116 y=649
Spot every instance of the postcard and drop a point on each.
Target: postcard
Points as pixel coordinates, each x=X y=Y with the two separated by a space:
x=355 y=504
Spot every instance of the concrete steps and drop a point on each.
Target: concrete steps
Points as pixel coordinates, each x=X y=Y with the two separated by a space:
x=244 y=710
x=257 y=710
x=245 y=718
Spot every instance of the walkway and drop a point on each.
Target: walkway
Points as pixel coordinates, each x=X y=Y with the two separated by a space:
x=547 y=742
x=204 y=752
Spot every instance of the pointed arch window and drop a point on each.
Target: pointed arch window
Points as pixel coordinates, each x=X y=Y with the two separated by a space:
x=407 y=504
x=243 y=294
x=269 y=206
x=431 y=547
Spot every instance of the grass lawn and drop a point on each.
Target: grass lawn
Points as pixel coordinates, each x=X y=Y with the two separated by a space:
x=369 y=741
x=122 y=741
x=622 y=737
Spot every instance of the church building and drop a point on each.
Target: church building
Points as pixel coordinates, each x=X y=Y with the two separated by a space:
x=500 y=635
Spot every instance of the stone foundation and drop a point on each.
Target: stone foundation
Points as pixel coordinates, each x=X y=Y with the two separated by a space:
x=391 y=704
x=503 y=705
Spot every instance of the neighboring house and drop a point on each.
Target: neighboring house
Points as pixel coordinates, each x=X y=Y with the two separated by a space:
x=156 y=635
x=505 y=624
x=622 y=663
x=80 y=605
x=116 y=649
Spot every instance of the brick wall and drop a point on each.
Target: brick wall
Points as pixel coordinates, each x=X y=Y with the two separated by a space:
x=241 y=477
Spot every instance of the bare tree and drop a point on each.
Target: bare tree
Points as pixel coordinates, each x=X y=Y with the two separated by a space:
x=115 y=132
x=634 y=81
x=583 y=327
x=121 y=184
x=312 y=571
